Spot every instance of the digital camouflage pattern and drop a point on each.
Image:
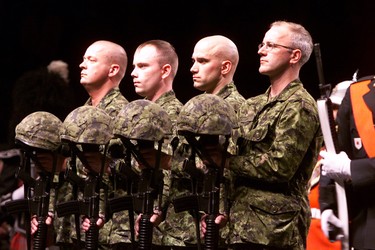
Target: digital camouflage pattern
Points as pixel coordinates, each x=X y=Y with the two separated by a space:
x=91 y=125
x=235 y=99
x=87 y=124
x=281 y=142
x=112 y=103
x=143 y=120
x=40 y=130
x=231 y=95
x=169 y=102
x=180 y=227
x=116 y=230
x=207 y=114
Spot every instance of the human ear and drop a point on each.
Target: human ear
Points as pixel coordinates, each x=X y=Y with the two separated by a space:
x=295 y=56
x=226 y=67
x=114 y=69
x=166 y=70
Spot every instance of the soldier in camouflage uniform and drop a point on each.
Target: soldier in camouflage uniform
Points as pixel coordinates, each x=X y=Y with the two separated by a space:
x=215 y=60
x=87 y=131
x=38 y=136
x=155 y=67
x=279 y=141
x=103 y=67
x=145 y=128
x=212 y=119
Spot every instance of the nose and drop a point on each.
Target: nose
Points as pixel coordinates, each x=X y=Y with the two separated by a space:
x=261 y=50
x=133 y=73
x=193 y=69
x=82 y=64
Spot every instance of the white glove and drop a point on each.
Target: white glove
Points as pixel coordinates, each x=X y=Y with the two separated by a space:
x=330 y=222
x=335 y=166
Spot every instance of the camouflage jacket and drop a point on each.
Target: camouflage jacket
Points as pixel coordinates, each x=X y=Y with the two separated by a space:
x=169 y=102
x=231 y=94
x=114 y=230
x=112 y=102
x=279 y=143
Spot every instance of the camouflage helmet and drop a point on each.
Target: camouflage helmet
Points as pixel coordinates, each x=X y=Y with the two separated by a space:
x=143 y=120
x=207 y=114
x=40 y=130
x=87 y=124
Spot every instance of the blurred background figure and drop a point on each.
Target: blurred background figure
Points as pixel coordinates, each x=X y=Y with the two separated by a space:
x=43 y=89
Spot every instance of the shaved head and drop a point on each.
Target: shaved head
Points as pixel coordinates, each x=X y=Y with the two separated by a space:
x=114 y=53
x=221 y=47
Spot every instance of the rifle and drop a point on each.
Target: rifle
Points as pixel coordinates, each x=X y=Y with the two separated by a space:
x=191 y=202
x=149 y=189
x=208 y=199
x=89 y=204
x=327 y=122
x=68 y=208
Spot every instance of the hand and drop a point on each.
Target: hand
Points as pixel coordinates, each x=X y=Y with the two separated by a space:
x=155 y=219
x=86 y=223
x=328 y=221
x=221 y=220
x=335 y=166
x=34 y=222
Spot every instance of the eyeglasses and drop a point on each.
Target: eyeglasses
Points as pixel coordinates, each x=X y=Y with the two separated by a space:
x=269 y=46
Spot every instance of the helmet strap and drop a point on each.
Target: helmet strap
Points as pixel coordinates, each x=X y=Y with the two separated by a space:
x=199 y=149
x=135 y=152
x=80 y=154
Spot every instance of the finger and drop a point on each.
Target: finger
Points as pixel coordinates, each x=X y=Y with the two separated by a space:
x=48 y=220
x=336 y=222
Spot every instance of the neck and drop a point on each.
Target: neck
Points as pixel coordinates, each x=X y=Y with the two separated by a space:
x=98 y=94
x=160 y=92
x=219 y=87
x=279 y=83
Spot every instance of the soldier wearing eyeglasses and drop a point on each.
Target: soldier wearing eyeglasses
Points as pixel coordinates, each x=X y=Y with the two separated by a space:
x=279 y=141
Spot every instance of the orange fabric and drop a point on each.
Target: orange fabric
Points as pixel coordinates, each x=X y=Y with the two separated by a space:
x=316 y=240
x=314 y=196
x=18 y=242
x=363 y=116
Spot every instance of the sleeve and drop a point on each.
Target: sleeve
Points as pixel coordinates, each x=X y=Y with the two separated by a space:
x=343 y=123
x=277 y=144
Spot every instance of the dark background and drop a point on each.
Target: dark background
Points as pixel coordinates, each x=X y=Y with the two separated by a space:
x=34 y=32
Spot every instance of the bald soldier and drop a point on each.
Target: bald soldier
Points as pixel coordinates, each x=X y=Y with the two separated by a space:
x=102 y=69
x=215 y=60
